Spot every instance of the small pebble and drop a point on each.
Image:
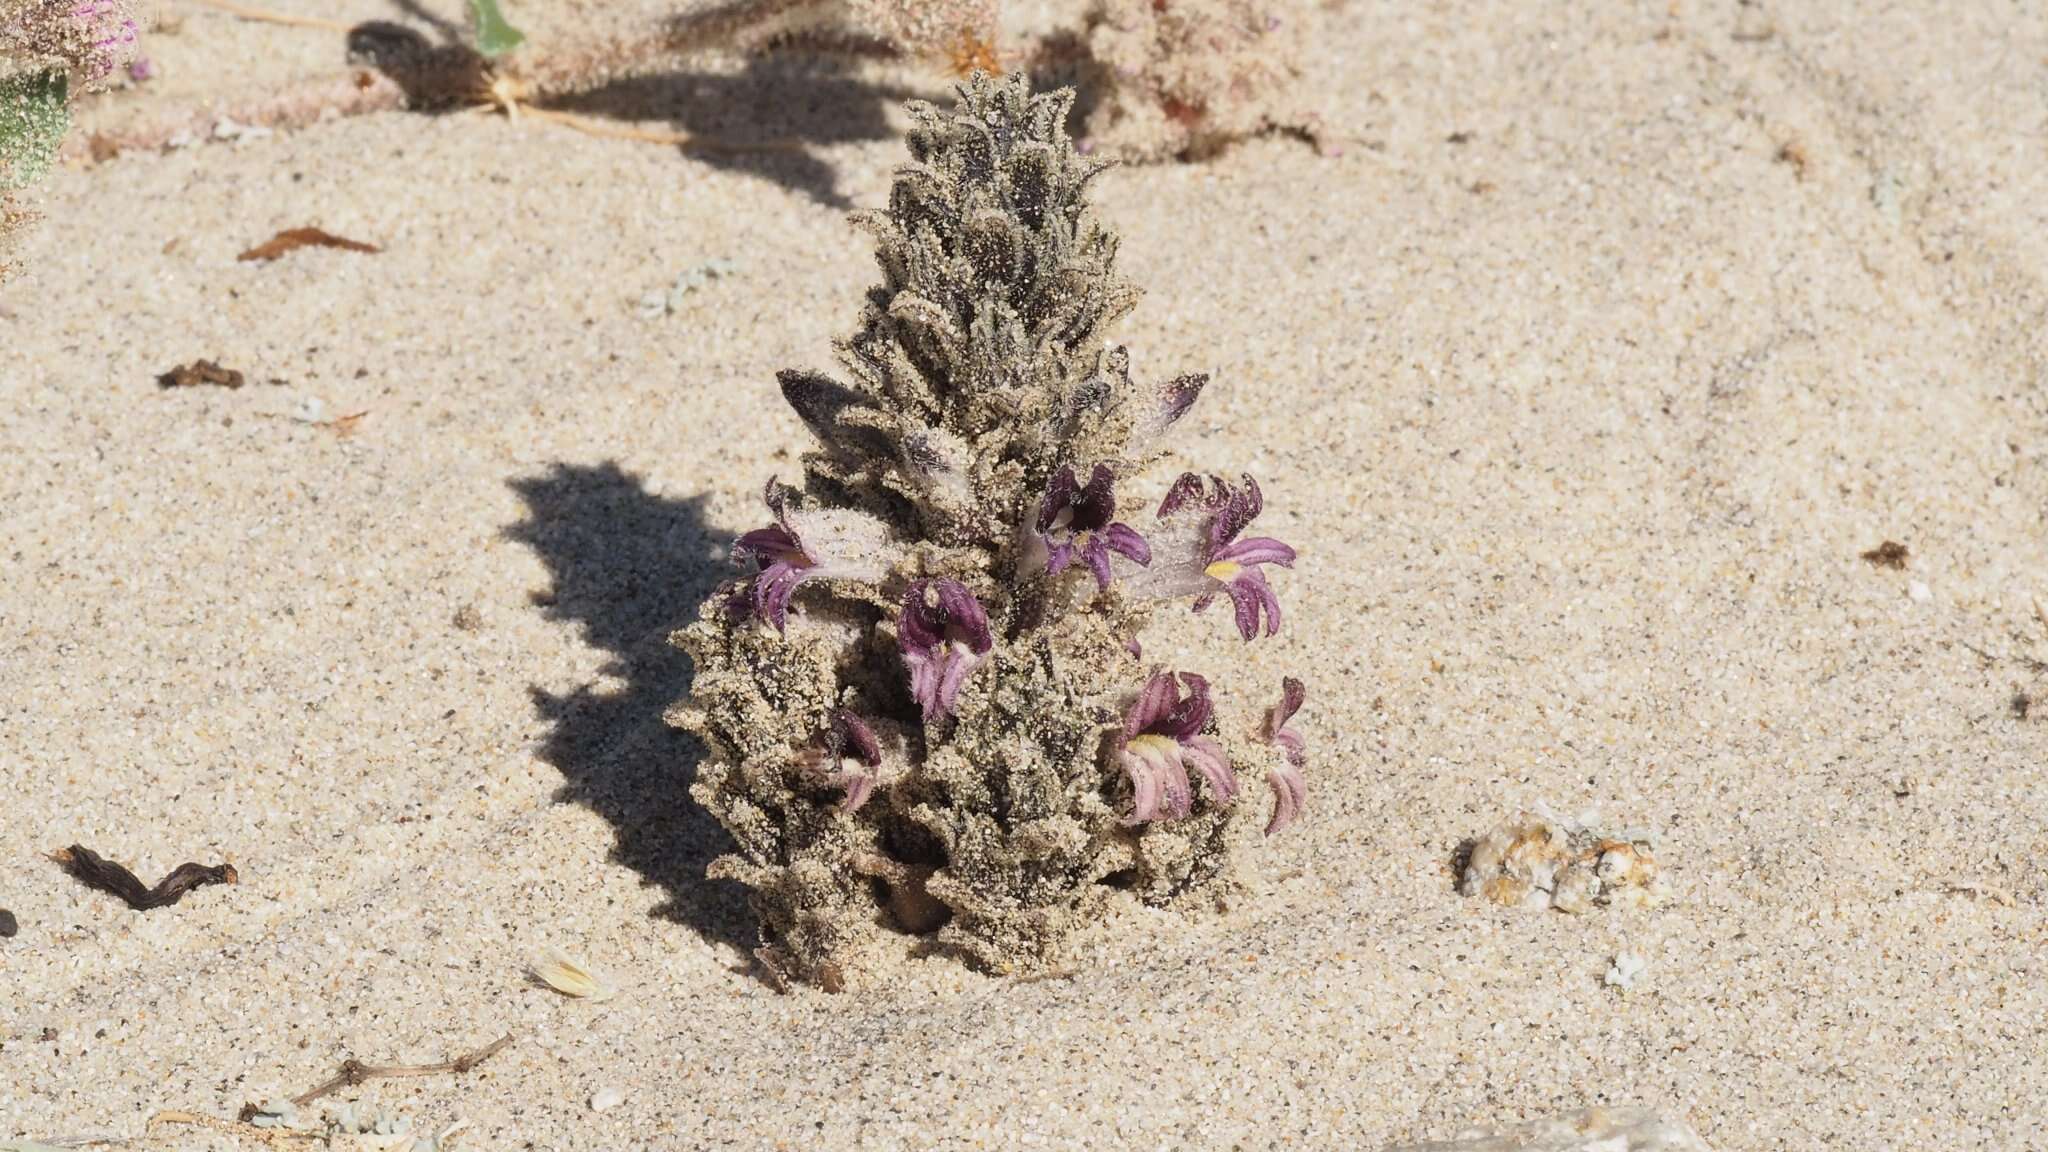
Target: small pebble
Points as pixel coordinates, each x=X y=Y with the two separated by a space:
x=605 y=1099
x=1919 y=591
x=8 y=925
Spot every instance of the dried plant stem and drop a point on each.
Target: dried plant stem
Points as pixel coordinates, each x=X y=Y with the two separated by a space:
x=354 y=1072
x=275 y=1137
x=267 y=16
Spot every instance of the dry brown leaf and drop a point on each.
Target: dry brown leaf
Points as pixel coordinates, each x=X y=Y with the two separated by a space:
x=292 y=239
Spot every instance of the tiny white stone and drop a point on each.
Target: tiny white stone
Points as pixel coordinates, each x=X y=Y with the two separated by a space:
x=1626 y=970
x=1919 y=591
x=606 y=1098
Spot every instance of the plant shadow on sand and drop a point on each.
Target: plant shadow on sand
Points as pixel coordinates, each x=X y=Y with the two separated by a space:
x=766 y=119
x=628 y=567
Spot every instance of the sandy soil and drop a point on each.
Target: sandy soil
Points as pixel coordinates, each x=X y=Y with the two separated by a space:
x=1583 y=382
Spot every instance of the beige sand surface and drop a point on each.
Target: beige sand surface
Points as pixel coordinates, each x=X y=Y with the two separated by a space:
x=1582 y=384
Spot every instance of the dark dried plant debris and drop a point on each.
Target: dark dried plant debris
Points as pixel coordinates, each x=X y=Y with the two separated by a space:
x=201 y=372
x=96 y=871
x=293 y=239
x=1890 y=554
x=2022 y=704
x=8 y=925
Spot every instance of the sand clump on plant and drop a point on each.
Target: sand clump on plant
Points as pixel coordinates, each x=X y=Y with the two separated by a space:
x=926 y=708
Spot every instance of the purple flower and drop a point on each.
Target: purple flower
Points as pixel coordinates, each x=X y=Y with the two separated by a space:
x=1209 y=514
x=93 y=37
x=111 y=34
x=1074 y=524
x=848 y=757
x=783 y=562
x=825 y=544
x=944 y=634
x=1163 y=735
x=1290 y=787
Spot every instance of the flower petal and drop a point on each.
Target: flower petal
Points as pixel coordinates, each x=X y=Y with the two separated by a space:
x=1124 y=539
x=963 y=611
x=919 y=628
x=1187 y=716
x=1144 y=789
x=1059 y=495
x=1175 y=398
x=1187 y=488
x=1057 y=556
x=1245 y=599
x=1240 y=508
x=856 y=738
x=1255 y=550
x=1097 y=556
x=1097 y=501
x=859 y=786
x=1154 y=701
x=1209 y=759
x=954 y=667
x=1290 y=797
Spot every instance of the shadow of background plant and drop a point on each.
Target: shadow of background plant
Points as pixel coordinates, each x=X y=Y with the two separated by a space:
x=763 y=120
x=766 y=119
x=628 y=566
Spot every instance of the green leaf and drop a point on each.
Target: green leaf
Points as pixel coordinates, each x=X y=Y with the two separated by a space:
x=494 y=37
x=33 y=118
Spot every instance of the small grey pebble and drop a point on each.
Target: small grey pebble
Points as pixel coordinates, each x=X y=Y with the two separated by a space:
x=8 y=924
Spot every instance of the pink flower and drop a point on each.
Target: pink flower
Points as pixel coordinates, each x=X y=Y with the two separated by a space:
x=1074 y=524
x=801 y=546
x=944 y=634
x=1205 y=518
x=848 y=758
x=1290 y=787
x=1162 y=736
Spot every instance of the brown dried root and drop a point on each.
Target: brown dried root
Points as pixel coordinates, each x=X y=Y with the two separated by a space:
x=97 y=871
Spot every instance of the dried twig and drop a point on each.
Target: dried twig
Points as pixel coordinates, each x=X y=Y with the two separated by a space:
x=97 y=871
x=354 y=1072
x=267 y=16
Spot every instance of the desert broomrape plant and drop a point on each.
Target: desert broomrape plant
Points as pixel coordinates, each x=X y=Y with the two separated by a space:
x=923 y=702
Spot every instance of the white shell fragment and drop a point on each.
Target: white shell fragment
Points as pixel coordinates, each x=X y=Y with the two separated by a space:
x=607 y=1098
x=570 y=976
x=1537 y=861
x=1594 y=1130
